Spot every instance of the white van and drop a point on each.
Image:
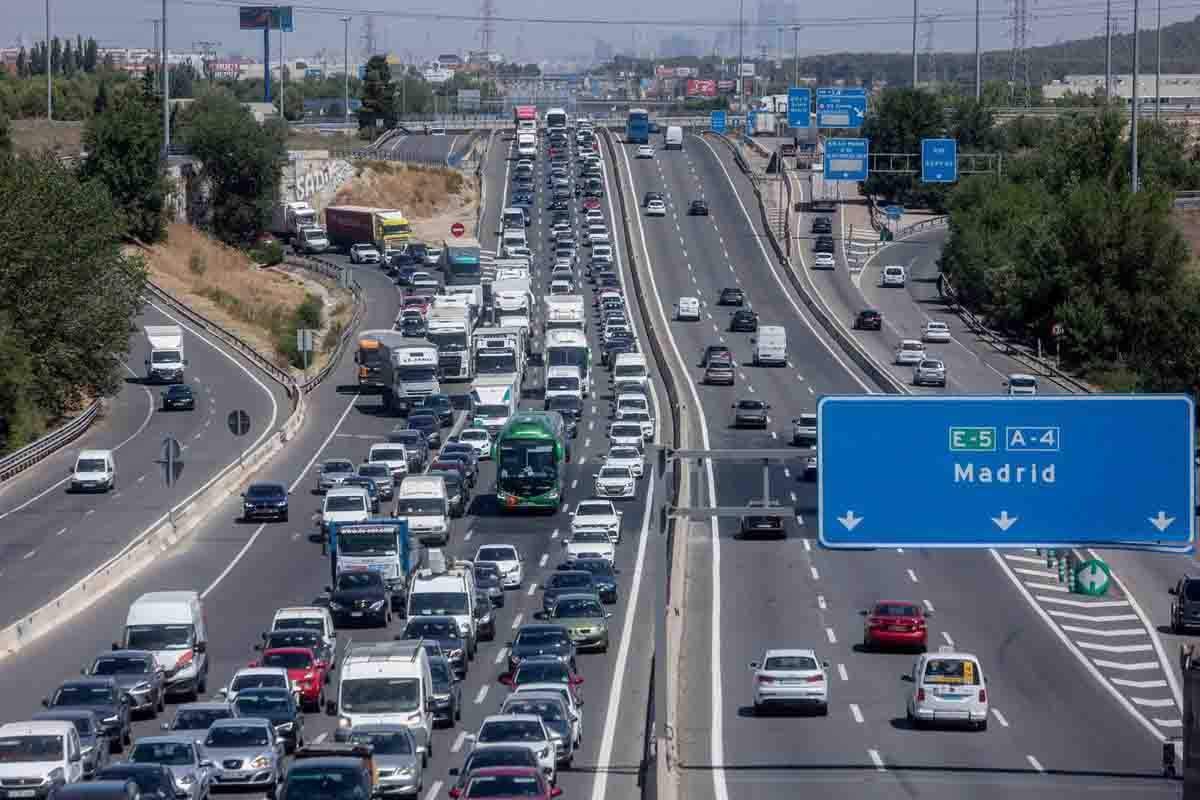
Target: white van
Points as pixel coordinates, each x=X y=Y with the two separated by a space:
x=422 y=501
x=385 y=683
x=393 y=454
x=674 y=138
x=493 y=401
x=1019 y=383
x=564 y=380
x=514 y=219
x=94 y=471
x=514 y=237
x=173 y=626
x=526 y=145
x=309 y=618
x=770 y=345
x=43 y=754
x=345 y=504
x=628 y=403
x=449 y=593
x=631 y=367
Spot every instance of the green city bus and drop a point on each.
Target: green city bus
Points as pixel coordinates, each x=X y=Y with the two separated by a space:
x=530 y=453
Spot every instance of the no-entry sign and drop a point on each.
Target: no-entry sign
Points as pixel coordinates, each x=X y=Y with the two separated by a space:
x=458 y=229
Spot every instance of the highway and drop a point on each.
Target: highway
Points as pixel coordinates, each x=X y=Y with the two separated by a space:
x=52 y=538
x=246 y=571
x=422 y=148
x=1054 y=729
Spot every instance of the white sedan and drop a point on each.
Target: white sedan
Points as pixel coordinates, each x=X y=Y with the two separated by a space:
x=629 y=457
x=479 y=439
x=589 y=543
x=615 y=481
x=910 y=351
x=824 y=261
x=936 y=332
x=597 y=515
x=791 y=678
x=645 y=151
x=656 y=208
x=507 y=559
x=364 y=254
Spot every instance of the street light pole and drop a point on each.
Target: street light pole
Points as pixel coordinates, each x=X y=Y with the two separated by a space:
x=346 y=76
x=796 y=57
x=914 y=46
x=1108 y=49
x=978 y=57
x=49 y=71
x=1133 y=139
x=166 y=87
x=1158 y=66
x=741 y=59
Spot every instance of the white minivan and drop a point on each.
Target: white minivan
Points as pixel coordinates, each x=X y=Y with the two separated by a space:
x=770 y=345
x=173 y=626
x=631 y=367
x=563 y=380
x=94 y=471
x=423 y=502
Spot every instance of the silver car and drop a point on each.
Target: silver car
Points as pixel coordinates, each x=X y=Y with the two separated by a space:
x=245 y=752
x=557 y=718
x=138 y=675
x=379 y=472
x=333 y=472
x=189 y=763
x=398 y=767
x=929 y=372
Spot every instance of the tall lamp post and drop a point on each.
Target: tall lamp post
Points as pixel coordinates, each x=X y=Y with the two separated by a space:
x=49 y=71
x=346 y=75
x=1133 y=138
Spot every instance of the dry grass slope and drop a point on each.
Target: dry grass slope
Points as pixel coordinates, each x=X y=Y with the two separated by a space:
x=433 y=198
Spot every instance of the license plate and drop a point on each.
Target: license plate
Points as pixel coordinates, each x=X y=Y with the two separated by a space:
x=899 y=628
x=22 y=793
x=356 y=613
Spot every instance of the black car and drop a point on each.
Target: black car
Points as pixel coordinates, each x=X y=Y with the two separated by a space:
x=429 y=425
x=541 y=639
x=868 y=320
x=646 y=198
x=138 y=675
x=178 y=396
x=96 y=747
x=415 y=445
x=1185 y=605
x=418 y=251
x=278 y=705
x=614 y=347
x=566 y=582
x=458 y=493
x=401 y=260
x=470 y=465
x=440 y=406
x=603 y=273
x=413 y=327
x=154 y=781
x=489 y=580
x=604 y=576
x=102 y=695
x=485 y=616
x=698 y=208
x=822 y=225
x=360 y=596
x=455 y=446
x=765 y=524
x=560 y=204
x=743 y=320
x=731 y=296
x=265 y=501
x=571 y=409
x=824 y=244
x=444 y=631
x=446 y=692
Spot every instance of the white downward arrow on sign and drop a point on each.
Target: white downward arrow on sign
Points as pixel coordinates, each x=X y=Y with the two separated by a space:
x=1162 y=521
x=1004 y=521
x=850 y=521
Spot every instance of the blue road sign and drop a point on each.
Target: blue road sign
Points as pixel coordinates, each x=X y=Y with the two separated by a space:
x=1045 y=471
x=799 y=106
x=846 y=159
x=362 y=72
x=939 y=160
x=716 y=121
x=841 y=108
x=893 y=212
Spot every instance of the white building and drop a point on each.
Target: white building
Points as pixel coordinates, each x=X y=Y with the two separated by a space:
x=1176 y=89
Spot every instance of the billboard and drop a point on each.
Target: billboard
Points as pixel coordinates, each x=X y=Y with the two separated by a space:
x=661 y=72
x=256 y=18
x=724 y=87
x=223 y=70
x=686 y=72
x=701 y=88
x=468 y=99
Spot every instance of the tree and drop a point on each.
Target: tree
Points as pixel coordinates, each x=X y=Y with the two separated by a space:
x=151 y=93
x=6 y=145
x=900 y=120
x=22 y=64
x=182 y=78
x=68 y=61
x=90 y=55
x=378 y=97
x=20 y=420
x=124 y=147
x=241 y=162
x=64 y=271
x=101 y=103
x=56 y=56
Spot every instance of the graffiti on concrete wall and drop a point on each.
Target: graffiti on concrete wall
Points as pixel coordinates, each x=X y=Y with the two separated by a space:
x=304 y=179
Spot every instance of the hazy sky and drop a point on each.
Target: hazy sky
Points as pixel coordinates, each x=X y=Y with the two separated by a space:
x=846 y=25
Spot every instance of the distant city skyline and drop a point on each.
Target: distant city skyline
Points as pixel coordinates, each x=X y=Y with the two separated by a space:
x=852 y=25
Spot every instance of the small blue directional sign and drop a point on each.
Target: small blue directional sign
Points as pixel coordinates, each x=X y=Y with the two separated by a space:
x=846 y=159
x=939 y=160
x=1044 y=471
x=799 y=106
x=893 y=212
x=716 y=121
x=839 y=107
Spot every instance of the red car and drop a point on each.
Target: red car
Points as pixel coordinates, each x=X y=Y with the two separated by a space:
x=306 y=672
x=895 y=623
x=506 y=783
x=591 y=202
x=420 y=302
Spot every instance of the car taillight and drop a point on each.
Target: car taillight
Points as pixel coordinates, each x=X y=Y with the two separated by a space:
x=920 y=695
x=816 y=678
x=983 y=695
x=765 y=679
x=874 y=621
x=920 y=623
x=362 y=372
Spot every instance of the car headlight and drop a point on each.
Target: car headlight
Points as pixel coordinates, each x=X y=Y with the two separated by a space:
x=378 y=604
x=335 y=606
x=455 y=654
x=87 y=749
x=140 y=688
x=52 y=776
x=284 y=727
x=544 y=752
x=187 y=780
x=262 y=762
x=406 y=772
x=343 y=722
x=113 y=720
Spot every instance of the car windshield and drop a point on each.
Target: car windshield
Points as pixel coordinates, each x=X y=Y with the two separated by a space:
x=496 y=554
x=374 y=471
x=630 y=371
x=439 y=670
x=548 y=710
x=751 y=405
x=388 y=454
x=473 y=436
x=546 y=672
x=562 y=384
x=122 y=665
x=386 y=743
x=294 y=638
x=288 y=660
x=499 y=757
x=379 y=695
x=437 y=604
x=84 y=696
x=931 y=365
x=90 y=465
x=624 y=453
x=911 y=346
x=262 y=680
x=541 y=637
x=173 y=754
x=590 y=536
x=504 y=786
x=568 y=579
x=308 y=623
x=25 y=749
x=952 y=671
x=795 y=663
x=578 y=608
x=199 y=719
x=325 y=783
x=593 y=510
x=486 y=571
x=627 y=431
x=614 y=472
x=596 y=566
x=511 y=730
x=265 y=703
x=337 y=466
x=263 y=491
x=896 y=610
x=237 y=736
x=345 y=503
x=431 y=629
x=366 y=579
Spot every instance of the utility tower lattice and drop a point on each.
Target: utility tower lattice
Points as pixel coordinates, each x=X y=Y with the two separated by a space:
x=929 y=21
x=1018 y=66
x=487 y=29
x=369 y=38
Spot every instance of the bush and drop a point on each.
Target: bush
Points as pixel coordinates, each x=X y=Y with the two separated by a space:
x=197 y=264
x=268 y=254
x=310 y=313
x=332 y=336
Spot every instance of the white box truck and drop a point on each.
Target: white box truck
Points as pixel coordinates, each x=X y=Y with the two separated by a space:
x=422 y=501
x=500 y=351
x=166 y=362
x=385 y=683
x=409 y=375
x=449 y=328
x=566 y=311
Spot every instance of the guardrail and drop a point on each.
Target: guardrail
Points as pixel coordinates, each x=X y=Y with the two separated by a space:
x=20 y=460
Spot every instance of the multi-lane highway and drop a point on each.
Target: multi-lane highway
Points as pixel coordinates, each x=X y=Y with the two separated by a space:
x=246 y=571
x=420 y=147
x=1053 y=726
x=52 y=538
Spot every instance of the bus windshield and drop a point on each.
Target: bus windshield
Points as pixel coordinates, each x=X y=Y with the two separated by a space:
x=527 y=468
x=569 y=357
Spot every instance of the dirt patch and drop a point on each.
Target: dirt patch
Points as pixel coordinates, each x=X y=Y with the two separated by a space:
x=433 y=198
x=224 y=284
x=35 y=135
x=1188 y=222
x=299 y=139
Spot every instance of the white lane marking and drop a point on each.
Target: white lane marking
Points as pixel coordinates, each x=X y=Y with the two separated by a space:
x=141 y=478
x=575 y=483
x=1116 y=648
x=1036 y=573
x=554 y=534
x=467 y=536
x=821 y=602
x=928 y=605
x=1164 y=702
x=1083 y=603
x=304 y=473
x=1044 y=587
x=792 y=495
x=516 y=623
x=89 y=512
x=1127 y=666
x=816 y=575
x=912 y=576
x=1169 y=723
x=1033 y=762
x=999 y=717
x=842 y=672
x=1155 y=684
x=321 y=737
x=542 y=561
x=877 y=760
x=787 y=473
x=1027 y=560
x=483 y=690
x=946 y=636
x=1104 y=633
x=458 y=742
x=532 y=588
x=807 y=545
x=60 y=533
x=434 y=790
x=831 y=636
x=29 y=555
x=856 y=712
x=500 y=656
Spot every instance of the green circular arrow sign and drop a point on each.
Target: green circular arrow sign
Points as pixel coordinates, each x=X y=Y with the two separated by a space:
x=1091 y=578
